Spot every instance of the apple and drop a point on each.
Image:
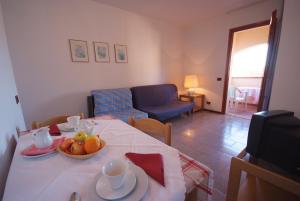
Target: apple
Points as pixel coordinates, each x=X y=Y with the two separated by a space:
x=77 y=148
x=67 y=144
x=80 y=136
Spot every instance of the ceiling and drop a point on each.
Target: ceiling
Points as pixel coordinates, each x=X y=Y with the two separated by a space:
x=180 y=12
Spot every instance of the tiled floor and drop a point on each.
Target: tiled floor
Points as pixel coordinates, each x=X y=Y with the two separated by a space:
x=240 y=111
x=212 y=139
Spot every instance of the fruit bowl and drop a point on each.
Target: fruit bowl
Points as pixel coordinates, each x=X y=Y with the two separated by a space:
x=83 y=156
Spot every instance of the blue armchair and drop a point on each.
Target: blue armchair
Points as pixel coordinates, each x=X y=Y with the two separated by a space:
x=115 y=102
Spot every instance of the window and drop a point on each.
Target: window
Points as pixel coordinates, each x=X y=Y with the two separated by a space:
x=250 y=62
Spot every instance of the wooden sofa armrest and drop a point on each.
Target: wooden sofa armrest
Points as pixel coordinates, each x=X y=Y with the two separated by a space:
x=269 y=178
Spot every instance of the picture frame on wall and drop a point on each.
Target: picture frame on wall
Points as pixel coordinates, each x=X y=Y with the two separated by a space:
x=79 y=50
x=101 y=50
x=121 y=53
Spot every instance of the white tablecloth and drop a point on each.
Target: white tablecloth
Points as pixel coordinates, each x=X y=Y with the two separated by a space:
x=55 y=177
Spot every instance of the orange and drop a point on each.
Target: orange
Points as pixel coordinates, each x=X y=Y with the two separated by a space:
x=92 y=144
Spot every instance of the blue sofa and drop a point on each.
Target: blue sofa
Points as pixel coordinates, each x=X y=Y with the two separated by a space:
x=159 y=101
x=114 y=102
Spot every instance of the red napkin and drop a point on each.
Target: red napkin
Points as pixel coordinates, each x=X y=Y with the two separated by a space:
x=152 y=164
x=32 y=150
x=54 y=130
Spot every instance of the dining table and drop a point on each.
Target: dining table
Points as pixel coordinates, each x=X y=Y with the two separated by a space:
x=55 y=176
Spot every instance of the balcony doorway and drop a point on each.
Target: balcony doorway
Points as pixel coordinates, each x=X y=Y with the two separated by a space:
x=246 y=71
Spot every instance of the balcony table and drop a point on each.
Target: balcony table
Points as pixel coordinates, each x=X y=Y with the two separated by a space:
x=252 y=94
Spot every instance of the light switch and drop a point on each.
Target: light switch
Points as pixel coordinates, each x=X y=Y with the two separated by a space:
x=17 y=99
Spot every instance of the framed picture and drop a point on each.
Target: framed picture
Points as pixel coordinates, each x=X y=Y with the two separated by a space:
x=79 y=50
x=101 y=52
x=121 y=53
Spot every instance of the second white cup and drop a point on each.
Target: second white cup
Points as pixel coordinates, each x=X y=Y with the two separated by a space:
x=74 y=121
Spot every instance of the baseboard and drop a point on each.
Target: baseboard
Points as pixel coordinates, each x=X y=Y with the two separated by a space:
x=214 y=111
x=252 y=104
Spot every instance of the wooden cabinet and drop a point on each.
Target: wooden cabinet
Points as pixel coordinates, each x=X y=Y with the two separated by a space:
x=197 y=99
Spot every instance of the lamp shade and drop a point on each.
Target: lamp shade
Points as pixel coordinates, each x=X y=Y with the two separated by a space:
x=190 y=81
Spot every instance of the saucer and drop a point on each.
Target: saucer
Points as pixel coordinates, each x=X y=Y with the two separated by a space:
x=66 y=127
x=142 y=183
x=105 y=191
x=38 y=156
x=34 y=152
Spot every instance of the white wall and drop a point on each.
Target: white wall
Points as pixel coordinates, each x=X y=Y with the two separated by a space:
x=250 y=37
x=246 y=82
x=205 y=47
x=11 y=113
x=285 y=91
x=243 y=40
x=50 y=84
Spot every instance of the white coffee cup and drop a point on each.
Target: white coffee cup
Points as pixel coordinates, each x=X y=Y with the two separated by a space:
x=74 y=121
x=115 y=172
x=86 y=126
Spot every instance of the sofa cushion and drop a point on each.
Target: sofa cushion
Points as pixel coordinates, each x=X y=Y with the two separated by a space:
x=110 y=100
x=172 y=109
x=153 y=95
x=124 y=114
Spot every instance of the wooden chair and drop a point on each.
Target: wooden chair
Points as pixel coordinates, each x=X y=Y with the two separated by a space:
x=260 y=184
x=237 y=96
x=153 y=127
x=52 y=120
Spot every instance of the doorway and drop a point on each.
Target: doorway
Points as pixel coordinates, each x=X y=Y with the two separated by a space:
x=246 y=62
